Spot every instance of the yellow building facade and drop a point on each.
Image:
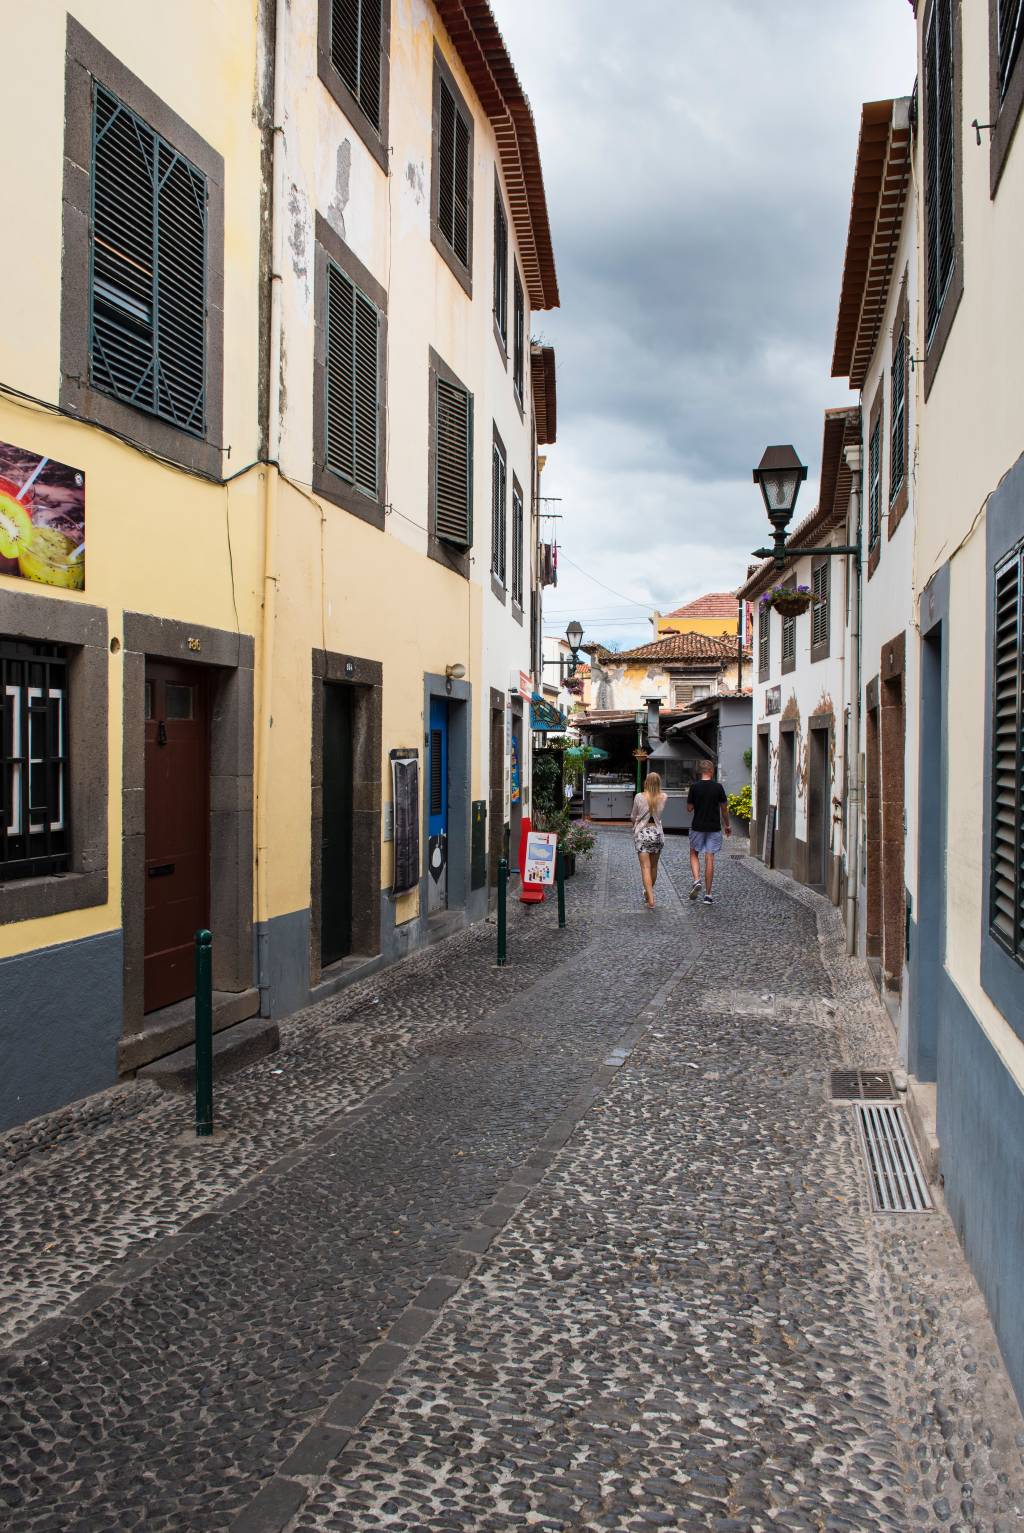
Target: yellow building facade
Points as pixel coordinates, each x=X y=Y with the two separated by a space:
x=268 y=431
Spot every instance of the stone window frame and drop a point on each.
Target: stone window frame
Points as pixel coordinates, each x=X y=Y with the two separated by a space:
x=229 y=657
x=87 y=60
x=366 y=678
x=328 y=246
x=1005 y=113
x=935 y=345
x=898 y=503
x=462 y=274
x=820 y=651
x=375 y=139
x=453 y=557
x=82 y=631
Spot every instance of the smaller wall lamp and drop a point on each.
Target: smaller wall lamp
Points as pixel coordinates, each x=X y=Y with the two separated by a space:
x=455 y=672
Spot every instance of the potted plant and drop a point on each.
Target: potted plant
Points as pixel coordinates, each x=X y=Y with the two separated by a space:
x=788 y=601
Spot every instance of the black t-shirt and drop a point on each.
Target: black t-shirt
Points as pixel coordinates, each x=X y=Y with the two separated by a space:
x=706 y=800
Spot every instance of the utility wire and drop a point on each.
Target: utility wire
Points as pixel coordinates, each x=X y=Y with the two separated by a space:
x=646 y=605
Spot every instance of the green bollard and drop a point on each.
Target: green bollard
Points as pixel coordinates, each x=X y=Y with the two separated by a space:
x=560 y=877
x=204 y=1035
x=502 y=894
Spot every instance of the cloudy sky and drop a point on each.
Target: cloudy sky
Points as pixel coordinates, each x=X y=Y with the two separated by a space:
x=698 y=159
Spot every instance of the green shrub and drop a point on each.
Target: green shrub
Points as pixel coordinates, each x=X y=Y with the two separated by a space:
x=741 y=803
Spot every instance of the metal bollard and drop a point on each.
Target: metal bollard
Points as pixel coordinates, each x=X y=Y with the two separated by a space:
x=502 y=897
x=204 y=1034
x=560 y=877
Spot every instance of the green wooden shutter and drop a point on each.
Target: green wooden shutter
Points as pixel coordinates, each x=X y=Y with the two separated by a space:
x=356 y=51
x=453 y=473
x=499 y=524
x=147 y=319
x=875 y=484
x=819 y=615
x=453 y=169
x=517 y=547
x=1011 y=30
x=898 y=407
x=352 y=383
x=1006 y=886
x=519 y=336
x=500 y=266
x=939 y=169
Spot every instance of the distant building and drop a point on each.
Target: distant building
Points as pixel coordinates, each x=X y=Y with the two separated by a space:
x=680 y=669
x=717 y=612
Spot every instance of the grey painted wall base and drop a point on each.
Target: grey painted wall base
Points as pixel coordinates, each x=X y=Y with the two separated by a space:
x=981 y=1133
x=283 y=953
x=60 y=1022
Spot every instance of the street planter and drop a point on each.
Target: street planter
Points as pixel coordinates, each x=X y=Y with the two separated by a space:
x=568 y=864
x=791 y=602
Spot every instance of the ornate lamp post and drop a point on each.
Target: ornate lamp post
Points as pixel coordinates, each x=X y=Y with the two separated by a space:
x=574 y=634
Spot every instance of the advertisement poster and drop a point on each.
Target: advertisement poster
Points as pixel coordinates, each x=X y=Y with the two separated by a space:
x=42 y=519
x=516 y=782
x=405 y=777
x=539 y=866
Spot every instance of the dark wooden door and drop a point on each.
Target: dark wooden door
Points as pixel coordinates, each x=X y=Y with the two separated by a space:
x=819 y=805
x=787 y=801
x=336 y=848
x=177 y=878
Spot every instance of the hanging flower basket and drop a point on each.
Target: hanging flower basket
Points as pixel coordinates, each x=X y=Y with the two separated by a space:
x=574 y=686
x=789 y=601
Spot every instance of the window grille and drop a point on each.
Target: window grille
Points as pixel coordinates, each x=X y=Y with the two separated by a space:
x=453 y=472
x=352 y=384
x=453 y=171
x=939 y=168
x=498 y=522
x=519 y=336
x=682 y=694
x=1006 y=887
x=147 y=285
x=1011 y=30
x=763 y=640
x=819 y=610
x=875 y=484
x=500 y=266
x=898 y=408
x=788 y=638
x=517 y=546
x=356 y=51
x=34 y=819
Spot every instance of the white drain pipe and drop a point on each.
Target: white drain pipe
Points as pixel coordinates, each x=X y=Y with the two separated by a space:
x=853 y=459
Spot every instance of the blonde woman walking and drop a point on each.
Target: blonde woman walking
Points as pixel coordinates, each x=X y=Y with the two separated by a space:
x=648 y=832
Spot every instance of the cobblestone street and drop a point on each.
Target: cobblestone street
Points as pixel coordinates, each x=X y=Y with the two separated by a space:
x=582 y=1244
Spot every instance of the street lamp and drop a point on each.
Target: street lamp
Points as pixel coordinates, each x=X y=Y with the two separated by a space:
x=574 y=634
x=780 y=475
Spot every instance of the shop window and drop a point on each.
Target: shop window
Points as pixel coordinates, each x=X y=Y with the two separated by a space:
x=34 y=815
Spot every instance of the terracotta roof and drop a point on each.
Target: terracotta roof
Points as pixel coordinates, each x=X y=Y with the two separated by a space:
x=713 y=604
x=880 y=183
x=842 y=430
x=545 y=396
x=684 y=646
x=479 y=44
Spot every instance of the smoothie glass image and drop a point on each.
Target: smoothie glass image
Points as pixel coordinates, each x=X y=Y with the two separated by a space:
x=50 y=558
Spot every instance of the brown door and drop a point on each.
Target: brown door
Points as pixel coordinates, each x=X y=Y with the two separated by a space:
x=177 y=877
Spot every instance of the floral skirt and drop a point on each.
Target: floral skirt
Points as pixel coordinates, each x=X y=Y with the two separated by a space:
x=648 y=837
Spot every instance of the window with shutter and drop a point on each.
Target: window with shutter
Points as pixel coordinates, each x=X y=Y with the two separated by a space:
x=820 y=608
x=148 y=276
x=898 y=414
x=453 y=473
x=517 y=544
x=1010 y=30
x=763 y=642
x=352 y=383
x=518 y=336
x=453 y=171
x=940 y=171
x=788 y=639
x=498 y=514
x=356 y=36
x=34 y=790
x=1006 y=887
x=500 y=267
x=682 y=694
x=875 y=483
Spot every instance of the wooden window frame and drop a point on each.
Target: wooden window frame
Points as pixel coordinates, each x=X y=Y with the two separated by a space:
x=463 y=273
x=375 y=138
x=332 y=250
x=1004 y=103
x=937 y=334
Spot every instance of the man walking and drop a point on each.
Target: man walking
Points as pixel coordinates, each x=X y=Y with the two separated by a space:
x=710 y=818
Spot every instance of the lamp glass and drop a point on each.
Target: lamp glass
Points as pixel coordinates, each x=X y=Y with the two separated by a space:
x=574 y=633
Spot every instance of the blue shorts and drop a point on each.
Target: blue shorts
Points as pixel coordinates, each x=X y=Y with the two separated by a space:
x=705 y=841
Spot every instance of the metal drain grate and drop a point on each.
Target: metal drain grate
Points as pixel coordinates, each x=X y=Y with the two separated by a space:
x=862 y=1086
x=897 y=1183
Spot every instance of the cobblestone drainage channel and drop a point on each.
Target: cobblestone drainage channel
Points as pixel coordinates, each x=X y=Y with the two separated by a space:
x=861 y=1085
x=897 y=1183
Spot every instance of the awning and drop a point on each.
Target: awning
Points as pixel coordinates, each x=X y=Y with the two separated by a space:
x=594 y=752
